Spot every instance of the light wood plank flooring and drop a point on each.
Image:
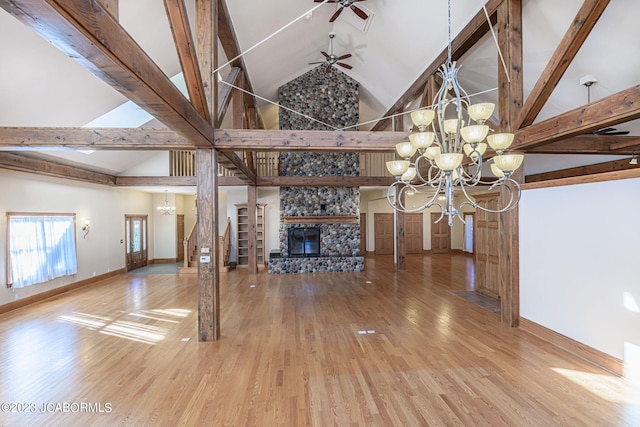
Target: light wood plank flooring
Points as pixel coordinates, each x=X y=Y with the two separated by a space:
x=377 y=348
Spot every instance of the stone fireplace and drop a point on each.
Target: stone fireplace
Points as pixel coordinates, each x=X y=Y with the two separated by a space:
x=331 y=98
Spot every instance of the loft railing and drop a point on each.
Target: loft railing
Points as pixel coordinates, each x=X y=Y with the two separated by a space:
x=182 y=163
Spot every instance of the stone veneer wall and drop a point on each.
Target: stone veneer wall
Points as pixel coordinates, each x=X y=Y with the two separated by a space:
x=331 y=98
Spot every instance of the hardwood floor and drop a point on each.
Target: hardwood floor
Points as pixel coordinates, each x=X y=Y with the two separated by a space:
x=381 y=348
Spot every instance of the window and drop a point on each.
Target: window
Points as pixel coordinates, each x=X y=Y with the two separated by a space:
x=41 y=247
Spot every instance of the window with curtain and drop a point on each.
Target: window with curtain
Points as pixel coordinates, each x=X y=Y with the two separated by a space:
x=40 y=247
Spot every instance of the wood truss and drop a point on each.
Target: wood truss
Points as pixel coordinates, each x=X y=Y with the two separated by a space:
x=90 y=33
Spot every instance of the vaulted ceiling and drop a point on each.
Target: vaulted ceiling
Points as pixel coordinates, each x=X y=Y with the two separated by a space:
x=41 y=86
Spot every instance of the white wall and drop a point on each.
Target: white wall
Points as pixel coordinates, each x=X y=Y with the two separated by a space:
x=579 y=256
x=268 y=196
x=101 y=251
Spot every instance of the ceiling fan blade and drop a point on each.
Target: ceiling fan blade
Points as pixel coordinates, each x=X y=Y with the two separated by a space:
x=325 y=54
x=611 y=132
x=328 y=1
x=319 y=62
x=618 y=133
x=605 y=130
x=342 y=64
x=335 y=15
x=340 y=58
x=359 y=12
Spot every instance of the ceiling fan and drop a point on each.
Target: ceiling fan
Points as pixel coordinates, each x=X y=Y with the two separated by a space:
x=331 y=58
x=344 y=4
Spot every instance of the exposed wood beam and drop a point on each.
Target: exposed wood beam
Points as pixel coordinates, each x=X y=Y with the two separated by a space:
x=224 y=96
x=23 y=163
x=179 y=22
x=585 y=179
x=598 y=168
x=306 y=140
x=625 y=142
x=510 y=86
x=172 y=181
x=581 y=27
x=230 y=45
x=93 y=138
x=591 y=144
x=510 y=81
x=467 y=38
x=324 y=181
x=154 y=181
x=618 y=108
x=87 y=33
x=112 y=7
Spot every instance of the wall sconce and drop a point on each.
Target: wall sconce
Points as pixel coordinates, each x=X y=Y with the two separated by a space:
x=86 y=228
x=634 y=159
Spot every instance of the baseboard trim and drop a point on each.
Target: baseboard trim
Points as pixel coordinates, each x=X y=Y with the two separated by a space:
x=583 y=351
x=23 y=302
x=164 y=261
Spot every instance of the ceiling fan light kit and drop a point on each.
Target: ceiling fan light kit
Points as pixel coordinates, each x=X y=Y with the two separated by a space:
x=450 y=130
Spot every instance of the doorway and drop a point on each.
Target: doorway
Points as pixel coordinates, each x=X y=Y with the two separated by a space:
x=180 y=237
x=413 y=224
x=440 y=235
x=383 y=229
x=135 y=227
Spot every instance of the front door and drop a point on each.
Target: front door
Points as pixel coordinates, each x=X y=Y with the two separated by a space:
x=135 y=241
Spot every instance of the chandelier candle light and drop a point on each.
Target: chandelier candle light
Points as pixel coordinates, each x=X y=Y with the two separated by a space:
x=449 y=130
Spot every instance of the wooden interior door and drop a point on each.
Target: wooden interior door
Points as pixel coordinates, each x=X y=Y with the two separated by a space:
x=440 y=235
x=487 y=245
x=413 y=223
x=180 y=238
x=135 y=241
x=363 y=234
x=383 y=229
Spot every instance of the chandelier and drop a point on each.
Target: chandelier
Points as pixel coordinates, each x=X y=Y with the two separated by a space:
x=166 y=209
x=450 y=145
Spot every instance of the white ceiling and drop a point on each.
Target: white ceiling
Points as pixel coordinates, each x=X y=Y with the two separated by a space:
x=40 y=86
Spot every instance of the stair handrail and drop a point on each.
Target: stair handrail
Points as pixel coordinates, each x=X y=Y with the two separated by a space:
x=189 y=244
x=225 y=241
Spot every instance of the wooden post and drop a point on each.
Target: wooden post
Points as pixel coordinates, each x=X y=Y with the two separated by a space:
x=251 y=235
x=208 y=271
x=510 y=103
x=207 y=179
x=401 y=223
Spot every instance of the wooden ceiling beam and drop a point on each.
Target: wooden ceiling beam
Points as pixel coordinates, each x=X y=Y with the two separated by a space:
x=224 y=95
x=22 y=163
x=618 y=108
x=617 y=169
x=590 y=144
x=580 y=28
x=306 y=140
x=231 y=47
x=30 y=138
x=86 y=32
x=179 y=23
x=171 y=181
x=465 y=40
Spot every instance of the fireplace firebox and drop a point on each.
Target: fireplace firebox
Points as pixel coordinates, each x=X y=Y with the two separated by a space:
x=304 y=242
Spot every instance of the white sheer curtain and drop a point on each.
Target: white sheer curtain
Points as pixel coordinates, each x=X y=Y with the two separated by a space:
x=41 y=248
x=468 y=233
